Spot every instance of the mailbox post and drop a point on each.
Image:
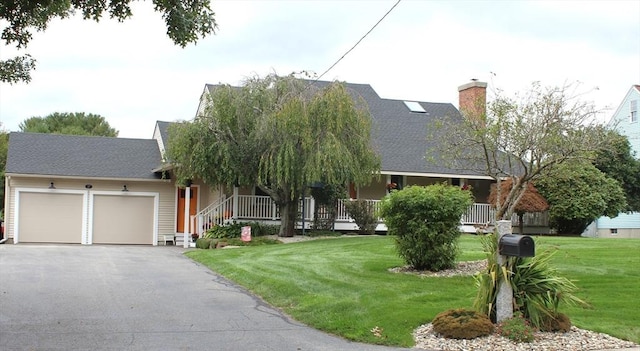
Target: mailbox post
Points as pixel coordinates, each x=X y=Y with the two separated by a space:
x=504 y=299
x=509 y=245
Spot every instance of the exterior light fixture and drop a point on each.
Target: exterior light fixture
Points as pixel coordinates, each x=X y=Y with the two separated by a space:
x=51 y=186
x=124 y=188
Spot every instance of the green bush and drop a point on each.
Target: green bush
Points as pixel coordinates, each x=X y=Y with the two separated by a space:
x=424 y=221
x=203 y=243
x=462 y=324
x=261 y=229
x=363 y=213
x=233 y=230
x=517 y=329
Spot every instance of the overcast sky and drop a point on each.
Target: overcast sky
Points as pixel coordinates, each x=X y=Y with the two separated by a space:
x=132 y=74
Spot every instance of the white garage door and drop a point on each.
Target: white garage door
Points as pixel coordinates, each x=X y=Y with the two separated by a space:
x=123 y=219
x=50 y=218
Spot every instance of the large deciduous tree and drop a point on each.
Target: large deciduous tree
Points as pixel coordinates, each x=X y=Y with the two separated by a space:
x=521 y=138
x=619 y=163
x=578 y=193
x=78 y=123
x=280 y=134
x=186 y=22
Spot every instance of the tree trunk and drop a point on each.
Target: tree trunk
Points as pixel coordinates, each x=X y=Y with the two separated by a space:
x=288 y=217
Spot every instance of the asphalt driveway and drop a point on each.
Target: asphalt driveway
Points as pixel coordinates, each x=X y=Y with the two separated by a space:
x=72 y=297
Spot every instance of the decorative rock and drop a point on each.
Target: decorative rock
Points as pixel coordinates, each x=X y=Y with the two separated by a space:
x=574 y=340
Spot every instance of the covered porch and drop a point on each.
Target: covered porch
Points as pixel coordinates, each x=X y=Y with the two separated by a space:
x=479 y=217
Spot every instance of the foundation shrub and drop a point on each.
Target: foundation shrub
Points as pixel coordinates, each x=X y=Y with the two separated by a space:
x=233 y=230
x=363 y=213
x=462 y=324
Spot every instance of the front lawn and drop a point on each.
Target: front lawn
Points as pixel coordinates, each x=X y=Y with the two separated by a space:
x=343 y=285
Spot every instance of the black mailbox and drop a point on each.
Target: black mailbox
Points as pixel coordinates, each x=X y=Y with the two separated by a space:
x=517 y=245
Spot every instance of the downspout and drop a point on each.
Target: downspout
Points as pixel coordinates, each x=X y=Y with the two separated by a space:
x=7 y=196
x=187 y=203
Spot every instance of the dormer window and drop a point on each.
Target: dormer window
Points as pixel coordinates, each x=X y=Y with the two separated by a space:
x=633 y=108
x=414 y=107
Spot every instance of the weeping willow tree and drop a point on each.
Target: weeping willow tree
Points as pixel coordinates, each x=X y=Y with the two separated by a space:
x=280 y=134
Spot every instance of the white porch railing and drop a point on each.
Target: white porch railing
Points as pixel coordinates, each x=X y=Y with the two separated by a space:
x=215 y=214
x=343 y=216
x=478 y=214
x=263 y=208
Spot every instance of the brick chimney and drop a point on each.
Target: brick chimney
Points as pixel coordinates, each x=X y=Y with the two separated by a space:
x=473 y=99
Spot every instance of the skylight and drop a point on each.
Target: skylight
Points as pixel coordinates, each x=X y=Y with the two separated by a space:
x=414 y=107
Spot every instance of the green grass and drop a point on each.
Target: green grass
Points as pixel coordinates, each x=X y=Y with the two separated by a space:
x=343 y=286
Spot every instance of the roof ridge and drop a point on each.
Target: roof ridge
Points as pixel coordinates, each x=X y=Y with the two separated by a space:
x=79 y=136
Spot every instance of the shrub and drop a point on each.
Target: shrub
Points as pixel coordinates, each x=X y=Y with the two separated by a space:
x=363 y=213
x=517 y=329
x=424 y=221
x=203 y=243
x=462 y=324
x=557 y=323
x=261 y=229
x=233 y=230
x=227 y=231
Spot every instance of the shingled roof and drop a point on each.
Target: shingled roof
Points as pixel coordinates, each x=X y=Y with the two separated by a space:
x=164 y=130
x=400 y=135
x=82 y=156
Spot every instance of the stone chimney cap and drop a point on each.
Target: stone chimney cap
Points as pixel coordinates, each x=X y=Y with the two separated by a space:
x=473 y=84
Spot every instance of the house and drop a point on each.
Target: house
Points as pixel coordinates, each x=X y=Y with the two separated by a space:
x=400 y=130
x=102 y=190
x=626 y=121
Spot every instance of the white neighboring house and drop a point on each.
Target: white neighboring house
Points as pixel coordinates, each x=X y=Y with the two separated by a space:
x=626 y=120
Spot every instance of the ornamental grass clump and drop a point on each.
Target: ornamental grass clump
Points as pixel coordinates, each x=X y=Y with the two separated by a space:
x=462 y=324
x=424 y=222
x=538 y=290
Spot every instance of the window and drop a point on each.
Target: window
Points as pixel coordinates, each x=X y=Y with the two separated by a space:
x=415 y=107
x=633 y=108
x=613 y=231
x=397 y=180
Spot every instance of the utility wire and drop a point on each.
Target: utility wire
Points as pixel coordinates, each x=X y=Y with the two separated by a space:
x=358 y=42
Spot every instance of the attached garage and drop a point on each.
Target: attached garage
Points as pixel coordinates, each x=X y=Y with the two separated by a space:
x=86 y=217
x=123 y=219
x=46 y=217
x=86 y=190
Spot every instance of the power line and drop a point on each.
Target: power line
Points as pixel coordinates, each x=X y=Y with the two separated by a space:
x=358 y=42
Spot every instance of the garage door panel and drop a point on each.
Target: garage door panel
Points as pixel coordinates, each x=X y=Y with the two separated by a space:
x=50 y=218
x=123 y=219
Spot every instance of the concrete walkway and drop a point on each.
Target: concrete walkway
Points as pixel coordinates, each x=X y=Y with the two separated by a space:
x=71 y=297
